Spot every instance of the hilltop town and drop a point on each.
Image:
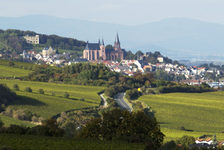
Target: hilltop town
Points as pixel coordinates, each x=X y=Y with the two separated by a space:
x=119 y=60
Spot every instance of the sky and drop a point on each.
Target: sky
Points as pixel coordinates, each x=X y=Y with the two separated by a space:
x=128 y=12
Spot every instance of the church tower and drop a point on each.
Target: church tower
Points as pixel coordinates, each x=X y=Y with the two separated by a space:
x=102 y=50
x=117 y=44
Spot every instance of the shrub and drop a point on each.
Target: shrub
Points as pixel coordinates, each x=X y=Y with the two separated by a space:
x=66 y=95
x=171 y=145
x=16 y=87
x=132 y=94
x=28 y=89
x=53 y=93
x=41 y=91
x=186 y=141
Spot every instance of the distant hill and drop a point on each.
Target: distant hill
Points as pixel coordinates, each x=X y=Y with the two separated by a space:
x=177 y=38
x=12 y=40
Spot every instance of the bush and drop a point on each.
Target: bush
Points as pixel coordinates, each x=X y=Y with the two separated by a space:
x=66 y=95
x=52 y=93
x=186 y=141
x=171 y=145
x=132 y=94
x=41 y=91
x=28 y=89
x=16 y=87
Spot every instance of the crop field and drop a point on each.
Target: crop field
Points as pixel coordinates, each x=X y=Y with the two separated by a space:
x=24 y=142
x=47 y=105
x=198 y=113
x=6 y=71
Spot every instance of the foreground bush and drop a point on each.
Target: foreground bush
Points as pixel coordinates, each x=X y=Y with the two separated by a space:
x=66 y=95
x=16 y=87
x=28 y=89
x=49 y=128
x=41 y=91
x=123 y=125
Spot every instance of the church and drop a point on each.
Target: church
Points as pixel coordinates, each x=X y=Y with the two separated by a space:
x=97 y=51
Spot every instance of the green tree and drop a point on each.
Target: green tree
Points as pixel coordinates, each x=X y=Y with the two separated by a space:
x=16 y=87
x=118 y=124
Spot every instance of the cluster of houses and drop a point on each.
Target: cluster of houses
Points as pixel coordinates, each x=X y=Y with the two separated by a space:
x=48 y=56
x=194 y=75
x=206 y=142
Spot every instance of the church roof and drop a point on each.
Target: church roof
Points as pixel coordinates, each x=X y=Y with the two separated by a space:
x=92 y=46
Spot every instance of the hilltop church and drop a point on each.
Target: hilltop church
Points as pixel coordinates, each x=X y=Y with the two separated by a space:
x=97 y=51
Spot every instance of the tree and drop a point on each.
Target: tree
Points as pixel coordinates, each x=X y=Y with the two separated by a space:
x=147 y=83
x=118 y=124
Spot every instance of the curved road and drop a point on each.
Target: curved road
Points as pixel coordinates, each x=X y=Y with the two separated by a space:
x=119 y=98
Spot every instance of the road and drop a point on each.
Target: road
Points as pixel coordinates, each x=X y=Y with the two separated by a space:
x=119 y=98
x=104 y=101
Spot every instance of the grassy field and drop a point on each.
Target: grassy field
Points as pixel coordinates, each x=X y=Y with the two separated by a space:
x=8 y=121
x=47 y=105
x=6 y=71
x=200 y=113
x=25 y=142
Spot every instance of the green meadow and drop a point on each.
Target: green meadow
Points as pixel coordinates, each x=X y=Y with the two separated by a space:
x=198 y=113
x=10 y=72
x=47 y=105
x=27 y=142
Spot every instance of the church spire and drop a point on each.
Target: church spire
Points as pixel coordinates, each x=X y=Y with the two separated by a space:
x=87 y=45
x=102 y=42
x=118 y=41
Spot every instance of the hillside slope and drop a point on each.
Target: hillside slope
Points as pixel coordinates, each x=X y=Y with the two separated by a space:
x=188 y=113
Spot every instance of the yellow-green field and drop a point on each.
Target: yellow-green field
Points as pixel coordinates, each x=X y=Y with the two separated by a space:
x=6 y=71
x=47 y=105
x=200 y=112
x=8 y=121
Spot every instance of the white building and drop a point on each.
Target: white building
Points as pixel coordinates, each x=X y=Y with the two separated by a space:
x=208 y=141
x=160 y=59
x=32 y=39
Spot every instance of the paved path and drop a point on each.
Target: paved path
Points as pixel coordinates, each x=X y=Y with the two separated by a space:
x=119 y=98
x=104 y=101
